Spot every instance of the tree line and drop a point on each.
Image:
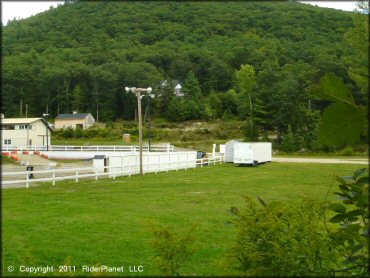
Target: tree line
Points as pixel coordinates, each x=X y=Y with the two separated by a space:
x=251 y=61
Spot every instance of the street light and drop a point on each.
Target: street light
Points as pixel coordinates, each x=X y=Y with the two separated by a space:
x=137 y=92
x=47 y=131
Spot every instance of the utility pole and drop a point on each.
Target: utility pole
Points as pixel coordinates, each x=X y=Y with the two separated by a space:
x=137 y=92
x=26 y=110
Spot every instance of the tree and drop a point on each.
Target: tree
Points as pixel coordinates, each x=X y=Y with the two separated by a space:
x=358 y=38
x=191 y=87
x=78 y=97
x=245 y=80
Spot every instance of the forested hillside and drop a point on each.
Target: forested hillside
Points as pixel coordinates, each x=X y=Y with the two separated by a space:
x=81 y=55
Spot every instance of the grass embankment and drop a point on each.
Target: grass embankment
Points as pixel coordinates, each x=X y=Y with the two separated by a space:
x=107 y=222
x=5 y=160
x=197 y=135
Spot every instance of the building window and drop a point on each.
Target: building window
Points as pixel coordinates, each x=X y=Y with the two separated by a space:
x=8 y=127
x=7 y=141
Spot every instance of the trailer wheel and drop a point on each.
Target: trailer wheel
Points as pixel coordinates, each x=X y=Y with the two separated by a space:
x=255 y=163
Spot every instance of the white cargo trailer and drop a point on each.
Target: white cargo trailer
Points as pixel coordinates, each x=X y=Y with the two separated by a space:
x=229 y=150
x=248 y=153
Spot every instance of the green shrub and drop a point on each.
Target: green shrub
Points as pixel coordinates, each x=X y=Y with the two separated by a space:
x=282 y=239
x=292 y=142
x=172 y=251
x=227 y=115
x=351 y=238
x=78 y=133
x=348 y=151
x=66 y=133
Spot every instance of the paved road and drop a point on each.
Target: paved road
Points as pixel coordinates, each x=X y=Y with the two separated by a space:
x=320 y=160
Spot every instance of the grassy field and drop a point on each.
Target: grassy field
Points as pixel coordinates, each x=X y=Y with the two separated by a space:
x=5 y=160
x=108 y=222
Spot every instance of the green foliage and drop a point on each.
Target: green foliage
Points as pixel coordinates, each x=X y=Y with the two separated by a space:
x=227 y=115
x=342 y=124
x=292 y=142
x=351 y=239
x=348 y=151
x=333 y=88
x=172 y=251
x=191 y=87
x=281 y=239
x=245 y=79
x=117 y=44
x=358 y=38
x=78 y=98
x=343 y=121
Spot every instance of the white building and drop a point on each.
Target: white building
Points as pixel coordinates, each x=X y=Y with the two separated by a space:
x=175 y=84
x=178 y=91
x=25 y=132
x=75 y=120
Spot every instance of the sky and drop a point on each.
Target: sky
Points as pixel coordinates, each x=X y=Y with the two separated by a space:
x=24 y=9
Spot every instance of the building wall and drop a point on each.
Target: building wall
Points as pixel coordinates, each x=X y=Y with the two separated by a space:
x=89 y=121
x=72 y=123
x=66 y=123
x=36 y=135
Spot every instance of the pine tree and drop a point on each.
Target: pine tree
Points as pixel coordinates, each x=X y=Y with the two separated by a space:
x=191 y=87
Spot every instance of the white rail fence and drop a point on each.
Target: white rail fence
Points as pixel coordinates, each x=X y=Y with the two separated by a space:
x=127 y=148
x=76 y=174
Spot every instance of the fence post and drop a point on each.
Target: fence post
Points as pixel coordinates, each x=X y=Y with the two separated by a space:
x=76 y=176
x=53 y=177
x=27 y=179
x=96 y=175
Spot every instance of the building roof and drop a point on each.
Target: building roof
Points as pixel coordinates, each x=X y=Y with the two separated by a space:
x=19 y=121
x=72 y=116
x=98 y=156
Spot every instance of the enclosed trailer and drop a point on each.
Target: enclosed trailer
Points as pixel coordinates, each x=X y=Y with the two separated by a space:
x=229 y=150
x=248 y=153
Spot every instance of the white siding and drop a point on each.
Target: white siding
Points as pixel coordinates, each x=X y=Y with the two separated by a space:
x=36 y=136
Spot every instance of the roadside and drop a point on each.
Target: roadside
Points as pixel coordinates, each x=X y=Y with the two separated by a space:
x=344 y=160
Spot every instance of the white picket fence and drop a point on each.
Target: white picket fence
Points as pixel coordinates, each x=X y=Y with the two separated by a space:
x=76 y=174
x=117 y=148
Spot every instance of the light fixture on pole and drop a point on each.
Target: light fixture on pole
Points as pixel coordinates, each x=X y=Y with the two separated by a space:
x=137 y=92
x=47 y=131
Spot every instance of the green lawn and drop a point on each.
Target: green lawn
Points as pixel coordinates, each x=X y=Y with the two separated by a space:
x=108 y=222
x=5 y=160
